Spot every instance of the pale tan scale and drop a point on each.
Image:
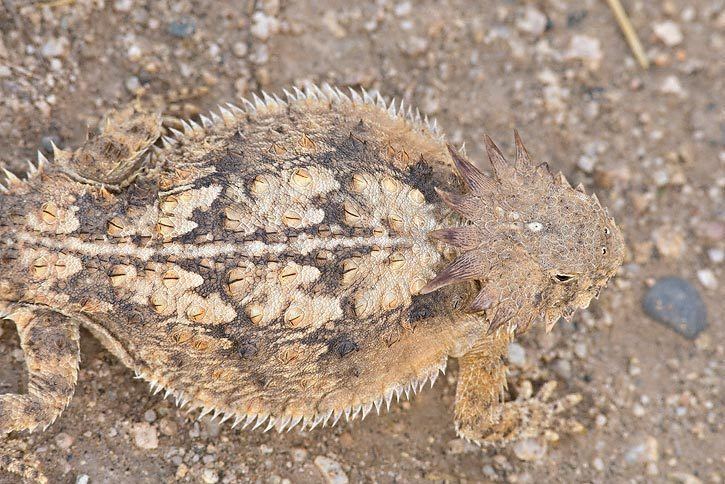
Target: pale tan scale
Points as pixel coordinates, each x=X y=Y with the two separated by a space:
x=239 y=280
x=165 y=226
x=122 y=275
x=255 y=312
x=396 y=222
x=260 y=185
x=301 y=178
x=289 y=273
x=292 y=219
x=40 y=268
x=170 y=279
x=169 y=204
x=116 y=227
x=352 y=214
x=295 y=315
x=196 y=313
x=350 y=268
x=390 y=185
x=49 y=213
x=358 y=183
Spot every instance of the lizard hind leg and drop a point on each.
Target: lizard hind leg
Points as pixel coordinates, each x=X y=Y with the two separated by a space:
x=118 y=153
x=49 y=341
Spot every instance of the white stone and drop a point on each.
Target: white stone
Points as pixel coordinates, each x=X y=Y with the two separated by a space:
x=264 y=26
x=707 y=278
x=209 y=476
x=517 y=354
x=331 y=470
x=672 y=85
x=716 y=255
x=533 y=21
x=403 y=8
x=586 y=163
x=668 y=32
x=529 y=450
x=55 y=47
x=585 y=48
x=642 y=452
x=145 y=436
x=122 y=5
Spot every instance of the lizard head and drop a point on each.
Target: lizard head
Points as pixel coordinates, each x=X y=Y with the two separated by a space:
x=538 y=248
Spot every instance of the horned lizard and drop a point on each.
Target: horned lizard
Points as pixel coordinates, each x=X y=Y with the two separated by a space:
x=290 y=263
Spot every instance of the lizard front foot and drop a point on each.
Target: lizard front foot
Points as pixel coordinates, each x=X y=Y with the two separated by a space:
x=528 y=416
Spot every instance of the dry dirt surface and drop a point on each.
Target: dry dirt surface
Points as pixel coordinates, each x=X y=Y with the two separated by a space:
x=650 y=143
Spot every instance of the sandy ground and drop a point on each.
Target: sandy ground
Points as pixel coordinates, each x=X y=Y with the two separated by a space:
x=650 y=143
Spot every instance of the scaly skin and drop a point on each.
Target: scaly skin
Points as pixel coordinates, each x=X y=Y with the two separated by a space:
x=278 y=264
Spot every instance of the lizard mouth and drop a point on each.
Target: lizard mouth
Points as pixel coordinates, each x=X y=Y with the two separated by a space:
x=286 y=422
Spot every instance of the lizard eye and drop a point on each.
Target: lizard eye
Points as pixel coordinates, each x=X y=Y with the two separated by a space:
x=607 y=231
x=563 y=277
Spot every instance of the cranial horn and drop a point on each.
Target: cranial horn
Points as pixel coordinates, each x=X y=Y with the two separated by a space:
x=498 y=162
x=476 y=180
x=465 y=267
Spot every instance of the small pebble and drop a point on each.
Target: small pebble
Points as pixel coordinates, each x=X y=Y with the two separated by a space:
x=585 y=48
x=529 y=450
x=63 y=441
x=132 y=84
x=684 y=478
x=149 y=416
x=182 y=28
x=55 y=47
x=677 y=304
x=299 y=454
x=209 y=476
x=716 y=255
x=331 y=470
x=669 y=241
x=82 y=479
x=707 y=278
x=403 y=8
x=672 y=85
x=240 y=49
x=145 y=436
x=668 y=32
x=586 y=163
x=264 y=26
x=598 y=464
x=168 y=426
x=642 y=452
x=562 y=368
x=532 y=22
x=517 y=354
x=122 y=5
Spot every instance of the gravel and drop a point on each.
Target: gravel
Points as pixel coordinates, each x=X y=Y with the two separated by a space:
x=530 y=449
x=182 y=28
x=331 y=470
x=145 y=436
x=677 y=304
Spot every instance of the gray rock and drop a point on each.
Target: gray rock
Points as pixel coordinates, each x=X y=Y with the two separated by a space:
x=182 y=28
x=676 y=303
